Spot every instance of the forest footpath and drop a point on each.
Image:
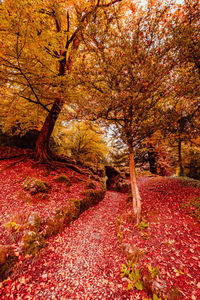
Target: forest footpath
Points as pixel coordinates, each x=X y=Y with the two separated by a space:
x=81 y=263
x=84 y=262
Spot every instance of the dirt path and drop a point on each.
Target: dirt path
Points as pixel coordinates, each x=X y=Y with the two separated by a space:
x=82 y=263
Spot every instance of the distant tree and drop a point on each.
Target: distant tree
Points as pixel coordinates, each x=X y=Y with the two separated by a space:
x=119 y=158
x=182 y=117
x=191 y=159
x=125 y=77
x=181 y=113
x=84 y=141
x=185 y=30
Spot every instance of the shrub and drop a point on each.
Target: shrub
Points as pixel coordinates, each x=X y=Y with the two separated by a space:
x=15 y=229
x=68 y=216
x=65 y=215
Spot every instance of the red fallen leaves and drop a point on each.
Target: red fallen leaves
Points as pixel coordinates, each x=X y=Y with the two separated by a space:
x=171 y=241
x=84 y=261
x=14 y=200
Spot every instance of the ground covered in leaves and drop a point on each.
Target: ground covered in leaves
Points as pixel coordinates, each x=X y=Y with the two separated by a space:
x=17 y=203
x=167 y=239
x=85 y=260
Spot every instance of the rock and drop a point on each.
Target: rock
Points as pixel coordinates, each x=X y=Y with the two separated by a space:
x=34 y=220
x=116 y=180
x=33 y=243
x=7 y=261
x=62 y=178
x=123 y=186
x=113 y=176
x=34 y=185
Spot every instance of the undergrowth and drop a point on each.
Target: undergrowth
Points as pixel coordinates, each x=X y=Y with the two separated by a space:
x=139 y=274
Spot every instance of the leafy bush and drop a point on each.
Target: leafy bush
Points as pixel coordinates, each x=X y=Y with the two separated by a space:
x=63 y=217
x=140 y=277
x=13 y=226
x=133 y=275
x=142 y=225
x=76 y=207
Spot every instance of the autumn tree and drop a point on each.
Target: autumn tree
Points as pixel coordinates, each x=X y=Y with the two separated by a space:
x=185 y=31
x=182 y=112
x=125 y=77
x=82 y=140
x=39 y=42
x=191 y=159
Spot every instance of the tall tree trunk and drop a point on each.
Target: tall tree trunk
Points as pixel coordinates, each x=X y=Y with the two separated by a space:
x=152 y=161
x=180 y=161
x=134 y=187
x=42 y=152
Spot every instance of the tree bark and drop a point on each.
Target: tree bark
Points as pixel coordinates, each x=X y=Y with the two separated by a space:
x=134 y=188
x=180 y=161
x=152 y=161
x=42 y=152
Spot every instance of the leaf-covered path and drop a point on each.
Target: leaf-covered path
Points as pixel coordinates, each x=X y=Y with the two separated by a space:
x=82 y=263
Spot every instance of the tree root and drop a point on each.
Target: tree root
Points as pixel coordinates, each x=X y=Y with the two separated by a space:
x=48 y=157
x=14 y=163
x=70 y=166
x=11 y=157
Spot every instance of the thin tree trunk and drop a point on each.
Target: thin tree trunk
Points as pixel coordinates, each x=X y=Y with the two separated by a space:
x=180 y=161
x=42 y=152
x=134 y=188
x=152 y=162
